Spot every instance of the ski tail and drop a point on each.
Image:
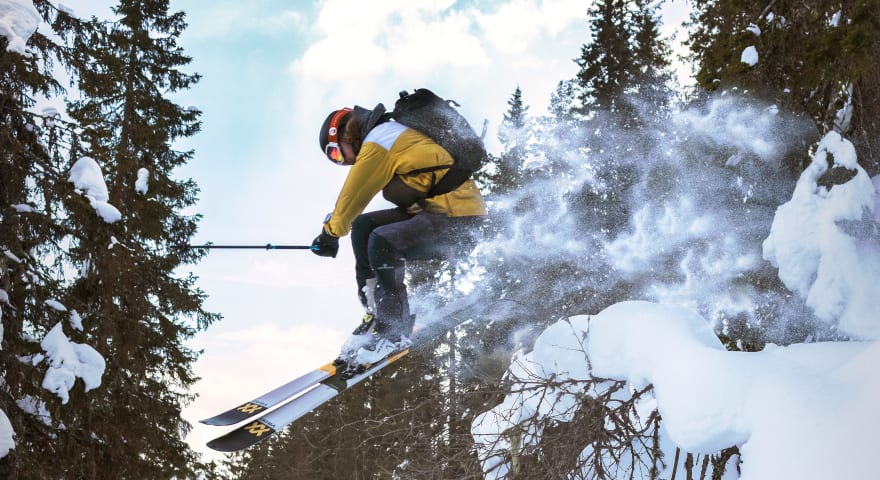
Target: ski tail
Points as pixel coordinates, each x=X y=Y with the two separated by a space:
x=242 y=437
x=266 y=401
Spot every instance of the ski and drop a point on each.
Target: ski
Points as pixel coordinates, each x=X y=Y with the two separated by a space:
x=259 y=405
x=263 y=427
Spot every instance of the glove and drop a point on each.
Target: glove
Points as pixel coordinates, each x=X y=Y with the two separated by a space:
x=325 y=245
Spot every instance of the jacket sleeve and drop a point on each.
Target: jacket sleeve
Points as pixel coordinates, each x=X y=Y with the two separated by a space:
x=369 y=174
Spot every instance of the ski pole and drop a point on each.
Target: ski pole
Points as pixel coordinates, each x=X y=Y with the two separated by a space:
x=267 y=246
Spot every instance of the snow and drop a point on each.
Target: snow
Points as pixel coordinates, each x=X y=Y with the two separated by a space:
x=18 y=21
x=784 y=407
x=11 y=256
x=76 y=320
x=69 y=361
x=843 y=117
x=4 y=299
x=64 y=8
x=832 y=260
x=55 y=305
x=23 y=208
x=730 y=123
x=835 y=19
x=749 y=56
x=35 y=407
x=143 y=177
x=86 y=175
x=7 y=435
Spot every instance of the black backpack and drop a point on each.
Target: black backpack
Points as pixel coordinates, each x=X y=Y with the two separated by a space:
x=438 y=119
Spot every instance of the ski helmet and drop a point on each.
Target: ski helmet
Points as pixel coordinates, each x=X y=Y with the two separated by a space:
x=328 y=137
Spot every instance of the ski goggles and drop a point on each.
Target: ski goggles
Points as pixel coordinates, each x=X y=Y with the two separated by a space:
x=332 y=149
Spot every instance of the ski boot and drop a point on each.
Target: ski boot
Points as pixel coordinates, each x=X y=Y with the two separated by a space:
x=361 y=336
x=387 y=339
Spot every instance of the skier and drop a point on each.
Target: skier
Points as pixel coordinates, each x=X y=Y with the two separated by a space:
x=383 y=154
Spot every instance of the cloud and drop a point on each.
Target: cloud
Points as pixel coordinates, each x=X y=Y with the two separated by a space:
x=515 y=26
x=365 y=52
x=418 y=39
x=356 y=38
x=236 y=19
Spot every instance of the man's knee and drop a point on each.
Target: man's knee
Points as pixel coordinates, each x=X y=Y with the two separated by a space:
x=362 y=226
x=382 y=253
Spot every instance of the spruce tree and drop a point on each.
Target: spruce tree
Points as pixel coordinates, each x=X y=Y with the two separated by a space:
x=817 y=59
x=34 y=143
x=128 y=293
x=606 y=61
x=622 y=82
x=111 y=283
x=626 y=64
x=514 y=134
x=560 y=131
x=651 y=56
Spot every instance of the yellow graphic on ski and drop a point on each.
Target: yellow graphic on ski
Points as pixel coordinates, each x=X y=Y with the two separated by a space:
x=266 y=401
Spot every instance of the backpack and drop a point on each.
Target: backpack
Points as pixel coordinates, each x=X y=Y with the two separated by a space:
x=438 y=119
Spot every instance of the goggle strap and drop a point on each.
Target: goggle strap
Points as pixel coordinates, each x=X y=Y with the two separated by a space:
x=333 y=131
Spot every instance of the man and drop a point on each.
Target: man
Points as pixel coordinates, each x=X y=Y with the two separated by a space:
x=403 y=164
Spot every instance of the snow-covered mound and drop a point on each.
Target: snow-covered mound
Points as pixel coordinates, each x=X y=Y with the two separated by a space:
x=804 y=411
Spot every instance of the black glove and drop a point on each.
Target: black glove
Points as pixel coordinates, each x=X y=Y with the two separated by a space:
x=325 y=245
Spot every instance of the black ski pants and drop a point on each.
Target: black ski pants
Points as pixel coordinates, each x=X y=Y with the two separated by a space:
x=384 y=239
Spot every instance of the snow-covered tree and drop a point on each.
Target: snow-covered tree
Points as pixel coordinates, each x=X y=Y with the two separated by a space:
x=94 y=316
x=815 y=58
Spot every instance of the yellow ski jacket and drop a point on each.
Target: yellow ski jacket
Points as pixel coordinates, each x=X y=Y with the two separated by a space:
x=389 y=150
